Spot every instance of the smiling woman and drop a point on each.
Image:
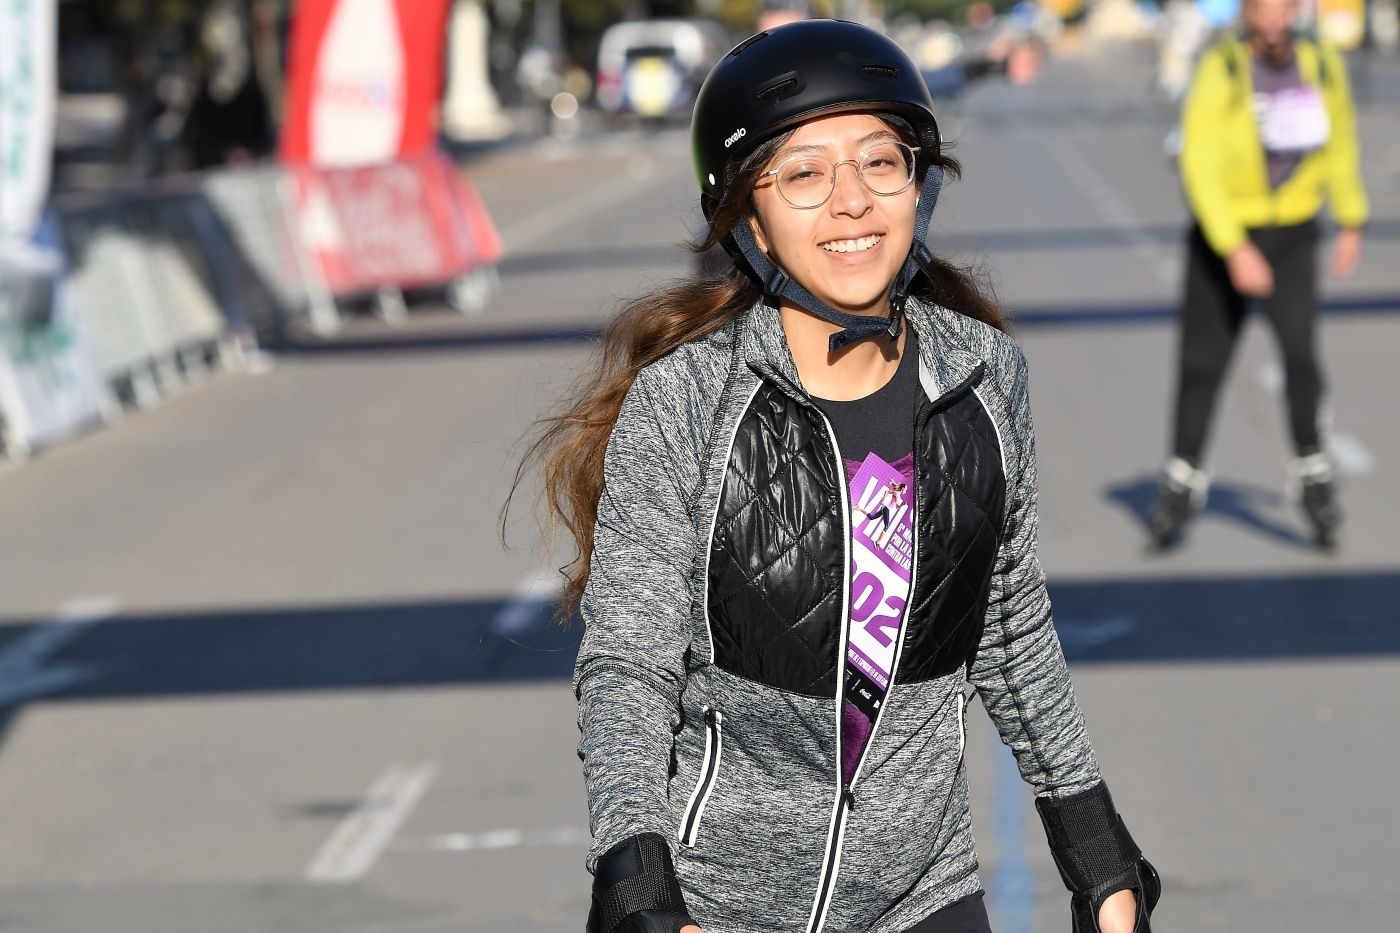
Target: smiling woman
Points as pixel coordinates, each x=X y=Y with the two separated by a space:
x=804 y=498
x=851 y=230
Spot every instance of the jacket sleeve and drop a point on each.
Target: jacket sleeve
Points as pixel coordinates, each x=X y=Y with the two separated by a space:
x=1205 y=152
x=1019 y=670
x=1344 y=186
x=636 y=609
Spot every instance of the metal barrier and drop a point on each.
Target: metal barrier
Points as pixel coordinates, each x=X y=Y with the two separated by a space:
x=164 y=282
x=143 y=288
x=255 y=207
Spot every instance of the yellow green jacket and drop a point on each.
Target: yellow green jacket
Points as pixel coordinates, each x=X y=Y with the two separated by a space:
x=1223 y=165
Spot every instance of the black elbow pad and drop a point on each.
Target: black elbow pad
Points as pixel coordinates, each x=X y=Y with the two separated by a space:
x=635 y=889
x=1097 y=857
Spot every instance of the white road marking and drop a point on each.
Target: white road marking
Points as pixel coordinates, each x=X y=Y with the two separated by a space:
x=360 y=838
x=630 y=184
x=1352 y=456
x=492 y=840
x=1113 y=209
x=533 y=598
x=23 y=674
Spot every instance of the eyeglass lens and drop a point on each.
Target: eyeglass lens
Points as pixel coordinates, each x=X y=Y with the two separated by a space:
x=808 y=180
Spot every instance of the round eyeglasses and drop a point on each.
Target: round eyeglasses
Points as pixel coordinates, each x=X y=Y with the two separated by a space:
x=807 y=180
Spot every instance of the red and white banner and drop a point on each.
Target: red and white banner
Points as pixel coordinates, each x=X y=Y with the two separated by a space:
x=365 y=78
x=408 y=223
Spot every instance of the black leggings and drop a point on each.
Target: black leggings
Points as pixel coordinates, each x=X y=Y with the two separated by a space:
x=1212 y=314
x=968 y=915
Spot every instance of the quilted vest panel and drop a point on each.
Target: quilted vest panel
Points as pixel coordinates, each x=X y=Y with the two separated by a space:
x=775 y=574
x=961 y=503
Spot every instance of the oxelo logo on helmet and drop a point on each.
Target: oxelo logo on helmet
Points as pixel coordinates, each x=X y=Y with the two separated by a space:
x=734 y=137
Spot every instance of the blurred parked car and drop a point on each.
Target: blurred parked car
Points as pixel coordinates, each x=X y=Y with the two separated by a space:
x=652 y=69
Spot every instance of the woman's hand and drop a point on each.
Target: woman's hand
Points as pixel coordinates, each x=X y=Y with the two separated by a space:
x=692 y=928
x=1117 y=915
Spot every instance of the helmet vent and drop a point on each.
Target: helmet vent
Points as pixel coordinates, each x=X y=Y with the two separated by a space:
x=784 y=86
x=880 y=71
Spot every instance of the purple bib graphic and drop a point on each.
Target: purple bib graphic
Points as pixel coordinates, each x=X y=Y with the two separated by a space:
x=882 y=542
x=882 y=545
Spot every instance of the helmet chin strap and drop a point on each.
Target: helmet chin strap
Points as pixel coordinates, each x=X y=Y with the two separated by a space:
x=855 y=327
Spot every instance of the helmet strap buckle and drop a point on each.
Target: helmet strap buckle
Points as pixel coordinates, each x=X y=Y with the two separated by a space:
x=777 y=281
x=896 y=326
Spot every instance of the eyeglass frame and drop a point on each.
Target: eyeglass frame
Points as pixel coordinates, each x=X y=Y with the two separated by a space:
x=913 y=173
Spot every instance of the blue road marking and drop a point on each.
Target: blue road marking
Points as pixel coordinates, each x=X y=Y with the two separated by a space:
x=1010 y=889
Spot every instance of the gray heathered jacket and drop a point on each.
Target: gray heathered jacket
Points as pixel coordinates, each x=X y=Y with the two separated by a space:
x=763 y=834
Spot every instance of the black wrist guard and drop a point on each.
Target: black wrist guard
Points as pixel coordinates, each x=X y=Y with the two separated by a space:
x=635 y=889
x=1097 y=857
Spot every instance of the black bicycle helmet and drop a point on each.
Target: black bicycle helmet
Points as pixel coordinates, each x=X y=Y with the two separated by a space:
x=773 y=81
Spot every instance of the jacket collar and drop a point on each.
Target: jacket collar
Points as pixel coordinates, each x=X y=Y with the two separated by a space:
x=946 y=362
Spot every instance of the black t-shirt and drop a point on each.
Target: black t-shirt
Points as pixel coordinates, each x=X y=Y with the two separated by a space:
x=883 y=422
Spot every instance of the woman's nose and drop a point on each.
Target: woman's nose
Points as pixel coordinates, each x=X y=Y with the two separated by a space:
x=851 y=195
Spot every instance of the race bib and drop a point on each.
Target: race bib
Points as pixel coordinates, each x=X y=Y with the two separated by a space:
x=1292 y=120
x=882 y=549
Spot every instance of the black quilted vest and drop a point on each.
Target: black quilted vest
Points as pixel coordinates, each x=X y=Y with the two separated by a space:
x=776 y=575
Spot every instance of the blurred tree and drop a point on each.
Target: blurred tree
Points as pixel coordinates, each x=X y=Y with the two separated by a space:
x=951 y=10
x=739 y=14
x=596 y=15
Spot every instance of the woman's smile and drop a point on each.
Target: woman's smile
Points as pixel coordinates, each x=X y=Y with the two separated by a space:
x=859 y=244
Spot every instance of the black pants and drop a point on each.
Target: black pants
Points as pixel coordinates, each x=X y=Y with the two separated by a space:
x=968 y=915
x=1212 y=314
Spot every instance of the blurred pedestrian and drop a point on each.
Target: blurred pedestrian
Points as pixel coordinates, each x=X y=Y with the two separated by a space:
x=1268 y=134
x=770 y=741
x=228 y=122
x=775 y=13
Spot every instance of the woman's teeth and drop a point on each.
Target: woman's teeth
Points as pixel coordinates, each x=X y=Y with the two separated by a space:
x=851 y=246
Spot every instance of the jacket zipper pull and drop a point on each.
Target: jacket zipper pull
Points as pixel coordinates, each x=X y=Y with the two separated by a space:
x=849 y=796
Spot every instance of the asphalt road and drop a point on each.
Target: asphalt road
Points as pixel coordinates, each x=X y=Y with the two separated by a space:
x=264 y=664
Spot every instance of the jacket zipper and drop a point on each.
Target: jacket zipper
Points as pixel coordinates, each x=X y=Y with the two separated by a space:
x=962 y=724
x=709 y=769
x=845 y=796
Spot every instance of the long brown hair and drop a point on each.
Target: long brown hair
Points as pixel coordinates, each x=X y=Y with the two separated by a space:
x=570 y=444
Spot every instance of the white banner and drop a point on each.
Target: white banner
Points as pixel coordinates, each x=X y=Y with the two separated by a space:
x=49 y=386
x=28 y=89
x=358 y=111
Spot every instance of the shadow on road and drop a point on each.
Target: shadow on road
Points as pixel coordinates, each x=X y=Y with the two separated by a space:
x=1254 y=507
x=407 y=342
x=998 y=242
x=319 y=648
x=276 y=650
x=1034 y=317
x=1231 y=619
x=472 y=337
x=952 y=242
